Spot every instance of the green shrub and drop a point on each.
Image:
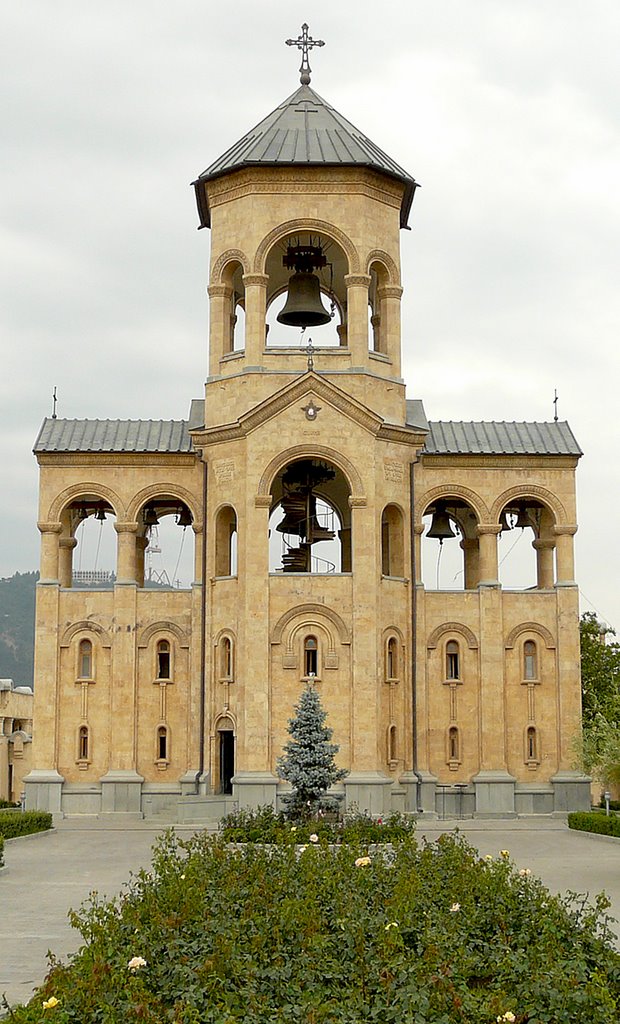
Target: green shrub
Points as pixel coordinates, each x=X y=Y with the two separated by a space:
x=430 y=934
x=24 y=823
x=8 y=803
x=264 y=825
x=594 y=821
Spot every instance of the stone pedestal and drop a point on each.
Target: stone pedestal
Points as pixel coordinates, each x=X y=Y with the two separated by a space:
x=495 y=794
x=368 y=791
x=571 y=792
x=254 y=789
x=44 y=791
x=121 y=793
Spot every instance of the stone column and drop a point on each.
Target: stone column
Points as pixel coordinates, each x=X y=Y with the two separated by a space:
x=471 y=555
x=488 y=569
x=126 y=553
x=199 y=539
x=255 y=313
x=65 y=560
x=357 y=317
x=418 y=531
x=565 y=555
x=389 y=298
x=220 y=339
x=50 y=534
x=142 y=544
x=544 y=562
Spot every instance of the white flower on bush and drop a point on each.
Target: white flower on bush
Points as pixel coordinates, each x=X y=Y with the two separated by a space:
x=392 y=924
x=314 y=838
x=454 y=909
x=506 y=1018
x=136 y=963
x=504 y=854
x=525 y=872
x=362 y=862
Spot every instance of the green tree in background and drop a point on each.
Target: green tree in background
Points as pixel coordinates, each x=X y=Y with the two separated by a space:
x=308 y=762
x=599 y=749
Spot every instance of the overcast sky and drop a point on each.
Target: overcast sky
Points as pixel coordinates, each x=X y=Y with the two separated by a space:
x=506 y=111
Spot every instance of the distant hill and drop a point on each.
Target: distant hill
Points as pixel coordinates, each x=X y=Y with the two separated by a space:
x=17 y=627
x=17 y=600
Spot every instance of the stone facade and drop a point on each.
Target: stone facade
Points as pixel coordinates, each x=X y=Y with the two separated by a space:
x=177 y=701
x=15 y=738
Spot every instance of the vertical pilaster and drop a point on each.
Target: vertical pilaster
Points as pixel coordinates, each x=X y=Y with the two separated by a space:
x=220 y=331
x=126 y=553
x=565 y=555
x=66 y=546
x=50 y=536
x=544 y=562
x=389 y=298
x=471 y=552
x=488 y=567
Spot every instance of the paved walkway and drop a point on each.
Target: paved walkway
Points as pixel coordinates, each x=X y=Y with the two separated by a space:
x=49 y=873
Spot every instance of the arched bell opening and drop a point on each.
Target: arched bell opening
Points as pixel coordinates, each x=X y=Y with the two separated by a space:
x=226 y=542
x=310 y=520
x=306 y=293
x=526 y=545
x=379 y=278
x=164 y=544
x=234 y=313
x=88 y=544
x=450 y=545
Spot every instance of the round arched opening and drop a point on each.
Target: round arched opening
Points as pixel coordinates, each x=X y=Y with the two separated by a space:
x=526 y=546
x=450 y=545
x=165 y=544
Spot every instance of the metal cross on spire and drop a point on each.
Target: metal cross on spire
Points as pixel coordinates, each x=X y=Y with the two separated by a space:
x=304 y=42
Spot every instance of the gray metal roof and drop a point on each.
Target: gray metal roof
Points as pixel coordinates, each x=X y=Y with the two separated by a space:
x=496 y=438
x=304 y=129
x=416 y=417
x=113 y=436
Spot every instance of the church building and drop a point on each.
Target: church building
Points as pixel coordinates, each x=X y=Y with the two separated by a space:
x=309 y=481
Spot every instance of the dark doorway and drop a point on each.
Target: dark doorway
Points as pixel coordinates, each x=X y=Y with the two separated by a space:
x=227 y=760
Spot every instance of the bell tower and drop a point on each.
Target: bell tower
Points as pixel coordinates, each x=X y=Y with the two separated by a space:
x=305 y=437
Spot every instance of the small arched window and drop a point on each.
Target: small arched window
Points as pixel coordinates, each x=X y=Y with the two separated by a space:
x=226 y=542
x=531 y=744
x=454 y=752
x=392 y=750
x=391 y=659
x=311 y=657
x=85 y=660
x=392 y=542
x=163 y=660
x=162 y=743
x=83 y=743
x=530 y=660
x=226 y=658
x=453 y=660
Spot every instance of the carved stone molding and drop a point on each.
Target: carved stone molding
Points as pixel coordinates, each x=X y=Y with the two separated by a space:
x=163 y=626
x=452 y=627
x=452 y=490
x=167 y=488
x=306 y=224
x=568 y=530
x=49 y=527
x=530 y=627
x=230 y=256
x=219 y=291
x=256 y=280
x=86 y=626
x=78 y=490
x=524 y=491
x=390 y=291
x=391 y=268
x=357 y=280
x=310 y=613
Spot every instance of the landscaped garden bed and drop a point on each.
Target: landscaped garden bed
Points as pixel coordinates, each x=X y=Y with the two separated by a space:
x=269 y=932
x=595 y=821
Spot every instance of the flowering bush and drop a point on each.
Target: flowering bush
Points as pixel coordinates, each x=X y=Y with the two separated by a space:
x=264 y=825
x=266 y=933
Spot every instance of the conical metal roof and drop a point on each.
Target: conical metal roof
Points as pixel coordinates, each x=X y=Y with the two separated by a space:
x=304 y=129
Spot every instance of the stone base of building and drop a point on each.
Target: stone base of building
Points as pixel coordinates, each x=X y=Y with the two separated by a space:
x=124 y=796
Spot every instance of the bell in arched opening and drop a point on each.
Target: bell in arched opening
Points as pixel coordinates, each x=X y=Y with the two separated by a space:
x=303 y=306
x=440 y=528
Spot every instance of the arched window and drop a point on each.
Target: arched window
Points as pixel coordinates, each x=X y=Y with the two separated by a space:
x=391 y=659
x=453 y=660
x=85 y=660
x=530 y=660
x=392 y=542
x=531 y=744
x=392 y=750
x=163 y=660
x=226 y=542
x=311 y=657
x=83 y=743
x=226 y=658
x=454 y=751
x=162 y=743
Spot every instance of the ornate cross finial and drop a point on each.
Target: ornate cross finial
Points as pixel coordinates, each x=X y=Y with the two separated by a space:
x=304 y=42
x=54 y=401
x=310 y=351
x=555 y=404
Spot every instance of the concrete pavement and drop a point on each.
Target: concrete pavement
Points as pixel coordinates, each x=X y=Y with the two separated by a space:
x=49 y=873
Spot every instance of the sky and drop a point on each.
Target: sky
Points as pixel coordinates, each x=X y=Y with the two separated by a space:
x=506 y=111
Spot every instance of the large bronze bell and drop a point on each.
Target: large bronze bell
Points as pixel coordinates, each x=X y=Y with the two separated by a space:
x=440 y=528
x=303 y=303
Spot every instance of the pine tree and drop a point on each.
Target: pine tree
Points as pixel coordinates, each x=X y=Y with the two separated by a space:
x=308 y=760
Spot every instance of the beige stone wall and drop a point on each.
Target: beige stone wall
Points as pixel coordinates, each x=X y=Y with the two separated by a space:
x=15 y=739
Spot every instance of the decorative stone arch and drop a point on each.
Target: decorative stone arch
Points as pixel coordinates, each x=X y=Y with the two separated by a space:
x=86 y=626
x=65 y=497
x=229 y=256
x=449 y=490
x=221 y=634
x=163 y=626
x=224 y=716
x=393 y=631
x=164 y=487
x=310 y=451
x=530 y=627
x=306 y=224
x=389 y=264
x=529 y=491
x=311 y=611
x=452 y=627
